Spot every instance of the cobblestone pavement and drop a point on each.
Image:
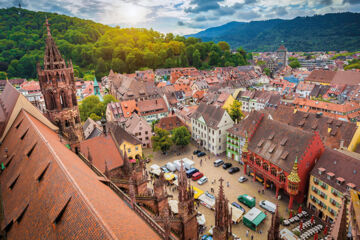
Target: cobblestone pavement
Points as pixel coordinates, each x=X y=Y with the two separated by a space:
x=232 y=192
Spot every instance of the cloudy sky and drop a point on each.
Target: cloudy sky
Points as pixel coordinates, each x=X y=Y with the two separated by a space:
x=184 y=16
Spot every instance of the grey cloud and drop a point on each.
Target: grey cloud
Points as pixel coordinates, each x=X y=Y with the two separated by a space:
x=226 y=11
x=200 y=18
x=248 y=15
x=180 y=23
x=279 y=11
x=326 y=2
x=203 y=6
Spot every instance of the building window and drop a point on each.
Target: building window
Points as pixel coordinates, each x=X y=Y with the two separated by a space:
x=129 y=150
x=146 y=132
x=136 y=148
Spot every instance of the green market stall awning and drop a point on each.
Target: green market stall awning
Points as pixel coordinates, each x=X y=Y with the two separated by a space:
x=253 y=218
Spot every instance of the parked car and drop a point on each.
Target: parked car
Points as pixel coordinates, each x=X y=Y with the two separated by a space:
x=197 y=176
x=267 y=205
x=218 y=162
x=233 y=170
x=242 y=179
x=209 y=195
x=196 y=152
x=164 y=169
x=247 y=200
x=191 y=171
x=235 y=204
x=202 y=180
x=227 y=165
x=201 y=154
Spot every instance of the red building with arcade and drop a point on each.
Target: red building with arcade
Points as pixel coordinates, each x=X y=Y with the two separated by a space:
x=282 y=156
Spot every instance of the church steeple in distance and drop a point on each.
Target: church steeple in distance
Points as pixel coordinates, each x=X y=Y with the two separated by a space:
x=57 y=85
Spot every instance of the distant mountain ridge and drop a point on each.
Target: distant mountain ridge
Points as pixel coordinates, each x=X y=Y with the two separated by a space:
x=332 y=31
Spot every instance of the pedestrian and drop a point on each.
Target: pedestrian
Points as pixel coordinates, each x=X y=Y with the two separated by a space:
x=247 y=233
x=228 y=184
x=252 y=237
x=263 y=191
x=260 y=232
x=192 y=157
x=215 y=180
x=200 y=162
x=258 y=191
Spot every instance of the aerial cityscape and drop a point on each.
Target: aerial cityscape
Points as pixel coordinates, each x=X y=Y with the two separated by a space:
x=180 y=120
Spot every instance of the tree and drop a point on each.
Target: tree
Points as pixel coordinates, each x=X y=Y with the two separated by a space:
x=181 y=136
x=91 y=105
x=294 y=64
x=235 y=111
x=161 y=141
x=224 y=46
x=267 y=71
x=196 y=59
x=95 y=117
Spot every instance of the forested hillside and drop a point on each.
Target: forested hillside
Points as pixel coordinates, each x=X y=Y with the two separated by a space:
x=333 y=31
x=93 y=46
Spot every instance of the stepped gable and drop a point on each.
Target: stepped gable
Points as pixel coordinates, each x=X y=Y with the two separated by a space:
x=51 y=194
x=279 y=143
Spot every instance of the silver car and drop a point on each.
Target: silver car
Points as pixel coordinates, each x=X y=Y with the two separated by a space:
x=202 y=180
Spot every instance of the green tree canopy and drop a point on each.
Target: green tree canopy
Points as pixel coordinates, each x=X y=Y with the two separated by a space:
x=235 y=111
x=161 y=141
x=181 y=136
x=294 y=64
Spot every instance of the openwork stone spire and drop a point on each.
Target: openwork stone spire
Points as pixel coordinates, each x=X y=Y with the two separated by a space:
x=274 y=231
x=222 y=230
x=52 y=58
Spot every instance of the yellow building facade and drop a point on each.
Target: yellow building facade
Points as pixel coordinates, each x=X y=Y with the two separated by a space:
x=324 y=199
x=132 y=150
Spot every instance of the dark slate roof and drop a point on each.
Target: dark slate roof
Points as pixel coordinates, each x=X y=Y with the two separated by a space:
x=95 y=133
x=332 y=131
x=319 y=90
x=268 y=142
x=247 y=124
x=341 y=165
x=321 y=76
x=211 y=114
x=121 y=135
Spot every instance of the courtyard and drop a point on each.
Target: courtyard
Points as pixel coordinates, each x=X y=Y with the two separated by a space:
x=231 y=192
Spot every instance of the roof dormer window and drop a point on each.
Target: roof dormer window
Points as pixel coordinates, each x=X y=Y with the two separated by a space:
x=340 y=180
x=330 y=175
x=321 y=170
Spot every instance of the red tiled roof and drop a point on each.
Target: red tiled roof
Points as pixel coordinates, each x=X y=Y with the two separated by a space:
x=54 y=194
x=102 y=148
x=30 y=86
x=128 y=107
x=170 y=122
x=153 y=106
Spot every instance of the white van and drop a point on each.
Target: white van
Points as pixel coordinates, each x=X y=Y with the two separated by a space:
x=171 y=166
x=267 y=205
x=188 y=164
x=218 y=162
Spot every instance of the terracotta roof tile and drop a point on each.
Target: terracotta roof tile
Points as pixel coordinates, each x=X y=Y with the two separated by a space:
x=102 y=148
x=68 y=201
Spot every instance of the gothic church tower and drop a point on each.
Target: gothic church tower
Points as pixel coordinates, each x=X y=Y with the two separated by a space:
x=58 y=88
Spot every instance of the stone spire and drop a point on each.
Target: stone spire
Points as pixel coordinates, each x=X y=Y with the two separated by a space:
x=222 y=230
x=52 y=58
x=274 y=231
x=187 y=212
x=339 y=228
x=293 y=183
